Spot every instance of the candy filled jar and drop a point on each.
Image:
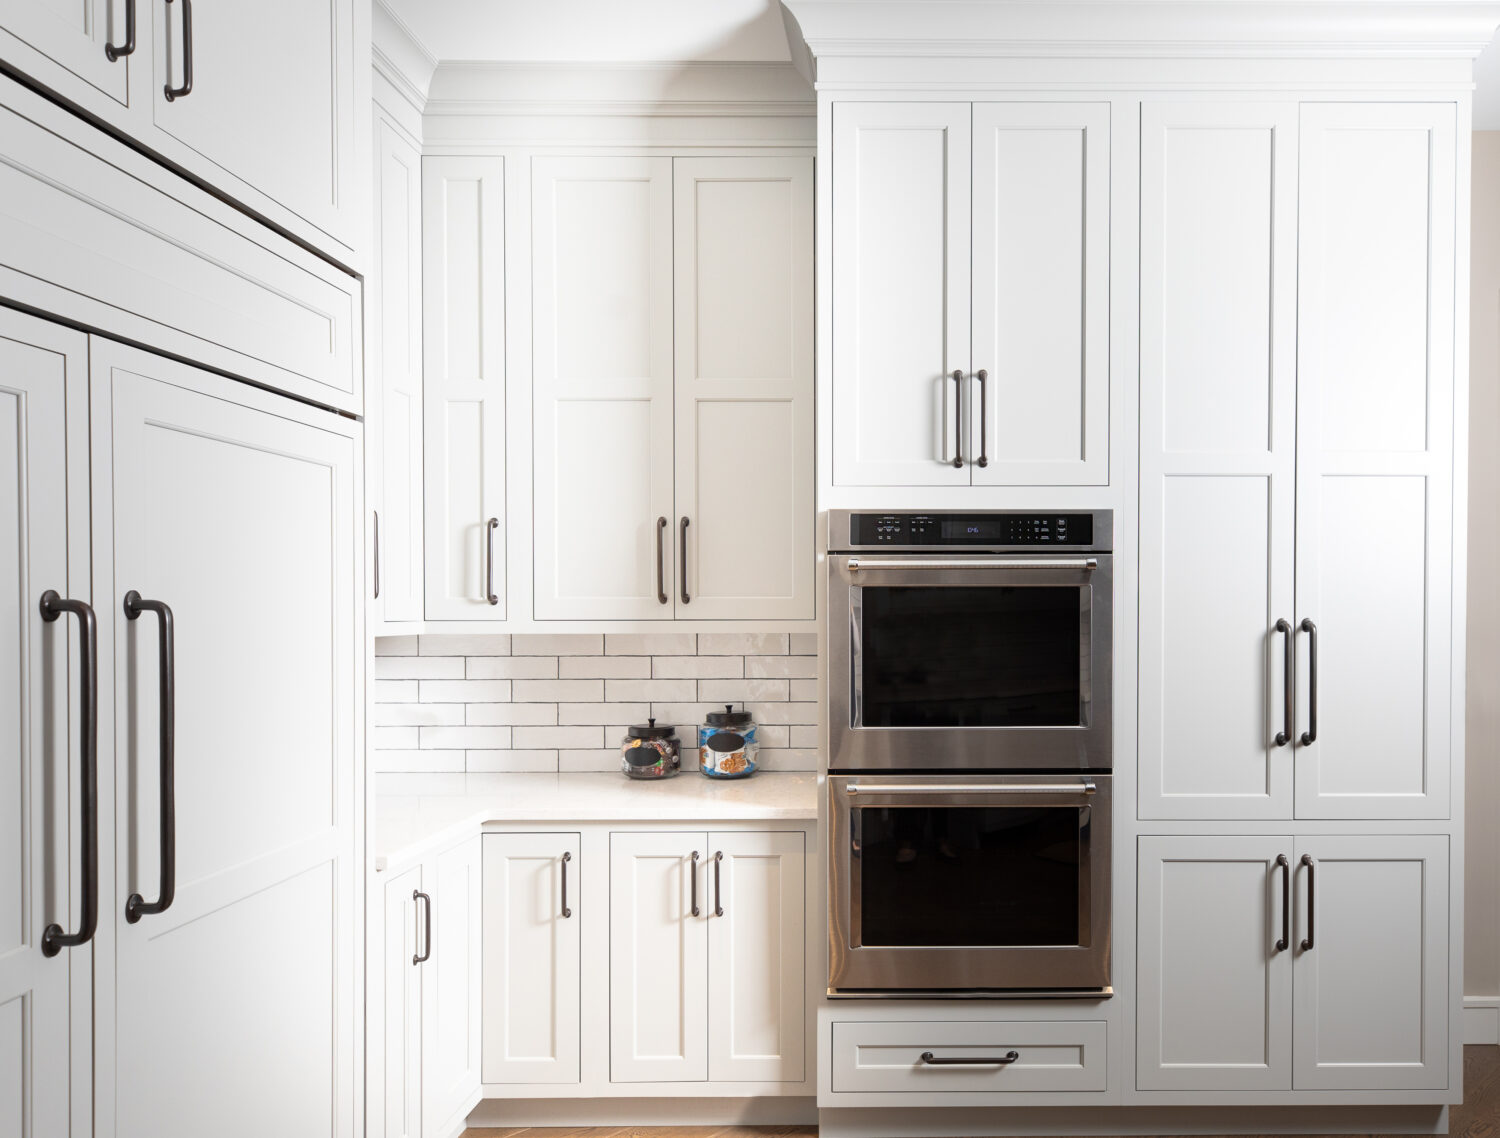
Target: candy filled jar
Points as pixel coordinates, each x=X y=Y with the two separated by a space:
x=727 y=746
x=649 y=751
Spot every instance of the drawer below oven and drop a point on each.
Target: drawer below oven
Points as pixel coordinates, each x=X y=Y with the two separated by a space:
x=888 y=1056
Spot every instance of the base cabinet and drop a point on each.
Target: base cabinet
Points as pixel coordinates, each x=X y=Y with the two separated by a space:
x=428 y=1063
x=531 y=961
x=1274 y=963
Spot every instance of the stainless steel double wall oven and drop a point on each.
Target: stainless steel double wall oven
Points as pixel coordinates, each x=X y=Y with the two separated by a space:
x=969 y=672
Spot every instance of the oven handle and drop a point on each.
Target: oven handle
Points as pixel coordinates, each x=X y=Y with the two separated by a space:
x=1088 y=564
x=1088 y=787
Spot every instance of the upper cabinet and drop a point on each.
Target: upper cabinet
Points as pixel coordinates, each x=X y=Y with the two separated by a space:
x=672 y=388
x=463 y=297
x=1297 y=383
x=257 y=101
x=393 y=426
x=970 y=294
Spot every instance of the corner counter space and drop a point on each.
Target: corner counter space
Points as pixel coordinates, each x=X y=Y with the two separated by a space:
x=416 y=813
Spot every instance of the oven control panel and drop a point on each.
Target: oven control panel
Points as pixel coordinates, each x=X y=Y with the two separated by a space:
x=990 y=528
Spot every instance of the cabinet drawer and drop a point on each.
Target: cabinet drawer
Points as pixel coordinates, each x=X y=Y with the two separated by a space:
x=1053 y=1056
x=94 y=233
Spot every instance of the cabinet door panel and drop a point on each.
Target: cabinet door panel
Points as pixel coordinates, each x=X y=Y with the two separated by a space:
x=463 y=428
x=394 y=426
x=744 y=386
x=602 y=385
x=1041 y=293
x=1371 y=993
x=1215 y=992
x=271 y=107
x=1375 y=454
x=209 y=485
x=401 y=1058
x=42 y=370
x=900 y=292
x=531 y=958
x=757 y=989
x=1218 y=459
x=60 y=43
x=450 y=989
x=658 y=958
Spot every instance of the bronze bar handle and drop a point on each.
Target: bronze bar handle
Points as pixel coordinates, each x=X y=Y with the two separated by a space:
x=1307 y=860
x=971 y=1061
x=958 y=418
x=661 y=580
x=1286 y=902
x=173 y=93
x=137 y=906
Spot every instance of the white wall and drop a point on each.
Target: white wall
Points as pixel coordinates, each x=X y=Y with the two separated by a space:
x=1482 y=844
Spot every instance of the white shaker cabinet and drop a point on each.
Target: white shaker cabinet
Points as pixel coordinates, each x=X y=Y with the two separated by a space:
x=757 y=988
x=254 y=100
x=43 y=381
x=1297 y=419
x=450 y=988
x=658 y=957
x=743 y=390
x=427 y=974
x=463 y=416
x=393 y=429
x=604 y=526
x=672 y=388
x=970 y=294
x=398 y=1052
x=1375 y=426
x=532 y=938
x=1218 y=456
x=1281 y=963
x=200 y=489
x=901 y=175
x=63 y=43
x=1039 y=399
x=706 y=955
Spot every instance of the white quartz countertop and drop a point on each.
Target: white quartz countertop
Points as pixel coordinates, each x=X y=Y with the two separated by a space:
x=415 y=813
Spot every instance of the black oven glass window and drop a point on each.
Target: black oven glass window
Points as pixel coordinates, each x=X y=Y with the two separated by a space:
x=960 y=876
x=972 y=657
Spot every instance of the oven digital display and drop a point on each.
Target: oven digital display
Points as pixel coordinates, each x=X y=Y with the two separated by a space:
x=990 y=529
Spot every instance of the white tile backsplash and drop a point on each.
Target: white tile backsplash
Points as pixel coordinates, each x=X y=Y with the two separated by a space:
x=561 y=701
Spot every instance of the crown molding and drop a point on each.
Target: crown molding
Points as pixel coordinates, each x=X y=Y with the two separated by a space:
x=1081 y=29
x=400 y=56
x=716 y=89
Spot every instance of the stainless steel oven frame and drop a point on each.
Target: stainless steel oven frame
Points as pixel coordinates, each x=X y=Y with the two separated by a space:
x=863 y=971
x=1085 y=746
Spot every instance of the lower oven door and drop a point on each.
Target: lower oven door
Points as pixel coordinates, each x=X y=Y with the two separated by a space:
x=969 y=885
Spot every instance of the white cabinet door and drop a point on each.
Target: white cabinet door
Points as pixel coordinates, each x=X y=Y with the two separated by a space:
x=1214 y=1011
x=900 y=292
x=270 y=117
x=1218 y=457
x=394 y=403
x=1371 y=984
x=532 y=887
x=450 y=988
x=757 y=989
x=658 y=957
x=602 y=387
x=1040 y=294
x=238 y=510
x=463 y=343
x=43 y=368
x=744 y=387
x=61 y=43
x=400 y=1054
x=1375 y=456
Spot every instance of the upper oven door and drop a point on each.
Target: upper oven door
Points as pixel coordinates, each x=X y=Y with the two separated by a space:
x=969 y=662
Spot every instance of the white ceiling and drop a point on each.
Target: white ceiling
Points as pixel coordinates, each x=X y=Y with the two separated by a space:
x=658 y=31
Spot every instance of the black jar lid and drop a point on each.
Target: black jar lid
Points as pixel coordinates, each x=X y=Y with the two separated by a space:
x=649 y=730
x=729 y=717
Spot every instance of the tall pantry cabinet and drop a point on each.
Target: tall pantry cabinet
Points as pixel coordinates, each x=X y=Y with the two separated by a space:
x=185 y=791
x=1297 y=591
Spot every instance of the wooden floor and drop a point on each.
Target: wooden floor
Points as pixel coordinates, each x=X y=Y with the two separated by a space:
x=1478 y=1117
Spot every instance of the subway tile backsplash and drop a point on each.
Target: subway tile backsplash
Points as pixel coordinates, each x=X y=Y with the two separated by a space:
x=561 y=702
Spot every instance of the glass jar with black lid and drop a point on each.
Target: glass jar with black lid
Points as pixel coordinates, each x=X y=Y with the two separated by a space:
x=727 y=744
x=649 y=751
